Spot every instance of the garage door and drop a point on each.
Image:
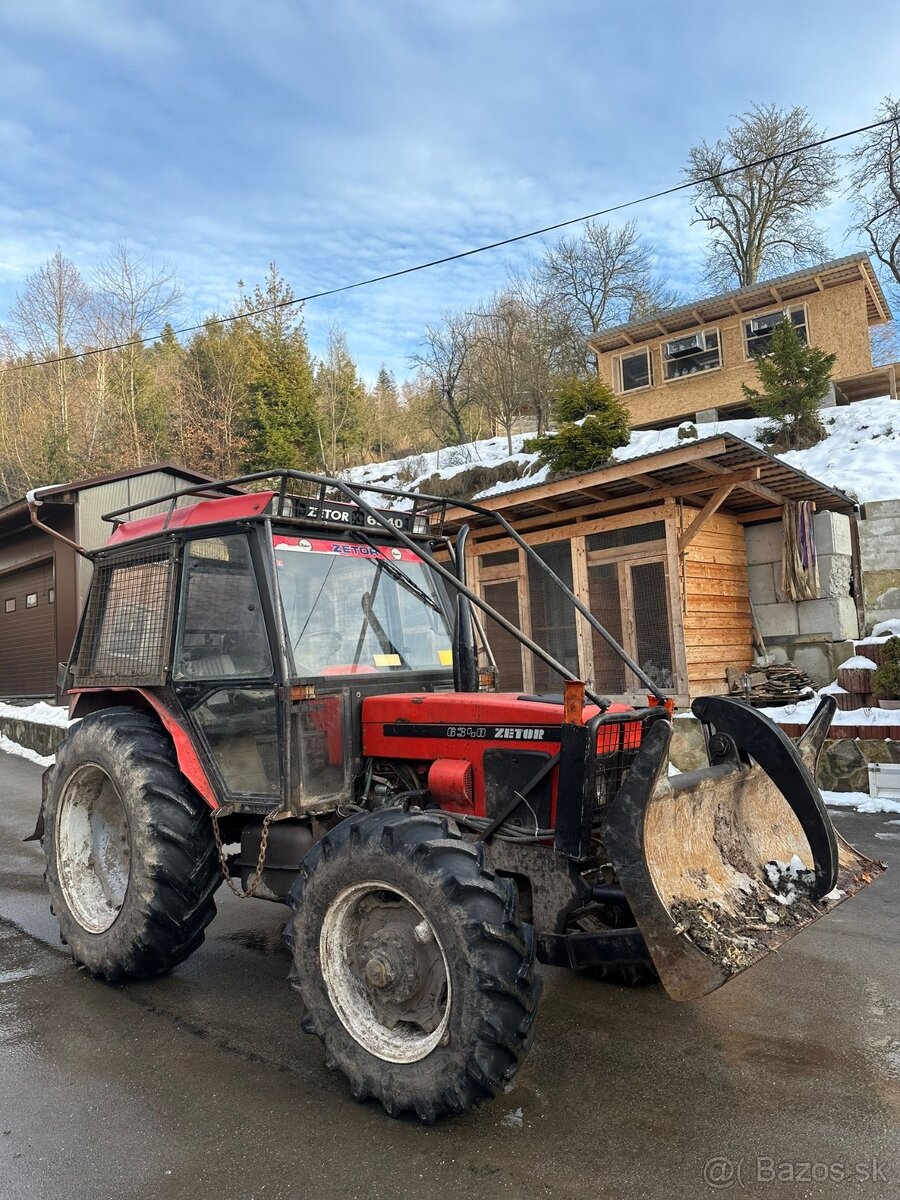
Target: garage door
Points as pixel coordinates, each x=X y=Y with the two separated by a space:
x=28 y=631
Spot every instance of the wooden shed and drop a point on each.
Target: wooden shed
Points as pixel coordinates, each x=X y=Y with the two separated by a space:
x=655 y=547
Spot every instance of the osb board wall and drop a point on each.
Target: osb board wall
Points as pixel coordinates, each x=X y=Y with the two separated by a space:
x=716 y=603
x=836 y=321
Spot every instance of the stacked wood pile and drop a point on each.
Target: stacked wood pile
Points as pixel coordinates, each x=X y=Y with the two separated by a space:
x=768 y=687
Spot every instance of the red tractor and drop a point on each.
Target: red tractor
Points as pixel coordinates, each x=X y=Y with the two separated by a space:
x=291 y=689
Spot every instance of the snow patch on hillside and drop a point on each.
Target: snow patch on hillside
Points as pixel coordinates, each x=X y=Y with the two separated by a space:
x=860 y=455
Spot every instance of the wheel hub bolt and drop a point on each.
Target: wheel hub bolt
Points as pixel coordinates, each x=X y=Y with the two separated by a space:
x=379 y=973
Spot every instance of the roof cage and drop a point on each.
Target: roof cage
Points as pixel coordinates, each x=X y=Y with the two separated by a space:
x=314 y=499
x=299 y=496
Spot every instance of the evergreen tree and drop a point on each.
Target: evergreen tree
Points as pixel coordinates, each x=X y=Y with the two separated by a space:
x=793 y=380
x=279 y=419
x=340 y=405
x=591 y=422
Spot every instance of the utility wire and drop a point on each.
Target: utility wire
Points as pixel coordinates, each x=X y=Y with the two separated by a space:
x=448 y=258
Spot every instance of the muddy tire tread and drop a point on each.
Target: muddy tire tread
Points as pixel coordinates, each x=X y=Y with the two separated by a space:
x=167 y=909
x=501 y=951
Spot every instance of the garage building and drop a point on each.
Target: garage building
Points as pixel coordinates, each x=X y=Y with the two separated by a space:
x=43 y=581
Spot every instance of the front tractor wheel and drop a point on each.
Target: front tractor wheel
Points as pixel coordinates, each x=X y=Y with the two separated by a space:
x=131 y=858
x=413 y=966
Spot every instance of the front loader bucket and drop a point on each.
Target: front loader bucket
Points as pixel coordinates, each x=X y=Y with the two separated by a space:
x=723 y=865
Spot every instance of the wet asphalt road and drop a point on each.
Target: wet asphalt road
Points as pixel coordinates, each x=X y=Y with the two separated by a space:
x=201 y=1084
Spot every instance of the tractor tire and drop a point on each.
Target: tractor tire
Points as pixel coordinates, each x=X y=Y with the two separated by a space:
x=131 y=859
x=412 y=964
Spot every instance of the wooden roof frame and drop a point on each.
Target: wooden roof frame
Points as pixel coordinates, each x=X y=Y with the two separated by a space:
x=718 y=472
x=787 y=289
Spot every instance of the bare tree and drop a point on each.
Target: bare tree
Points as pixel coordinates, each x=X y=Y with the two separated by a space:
x=603 y=277
x=875 y=187
x=135 y=297
x=442 y=358
x=49 y=319
x=759 y=217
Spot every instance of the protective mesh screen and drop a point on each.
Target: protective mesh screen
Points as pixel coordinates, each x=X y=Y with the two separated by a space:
x=631 y=535
x=504 y=597
x=127 y=623
x=653 y=643
x=500 y=558
x=605 y=603
x=552 y=615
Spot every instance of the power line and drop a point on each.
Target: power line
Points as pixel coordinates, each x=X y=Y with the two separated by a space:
x=448 y=258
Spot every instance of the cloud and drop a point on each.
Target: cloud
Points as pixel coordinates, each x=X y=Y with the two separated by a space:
x=349 y=139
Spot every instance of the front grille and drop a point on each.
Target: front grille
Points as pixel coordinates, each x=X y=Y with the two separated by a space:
x=617 y=745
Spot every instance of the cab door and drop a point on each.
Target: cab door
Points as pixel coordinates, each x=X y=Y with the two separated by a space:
x=223 y=670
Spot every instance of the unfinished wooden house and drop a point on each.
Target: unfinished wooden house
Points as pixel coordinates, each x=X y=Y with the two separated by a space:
x=655 y=547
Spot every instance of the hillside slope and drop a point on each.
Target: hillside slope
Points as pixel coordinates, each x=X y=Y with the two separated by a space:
x=860 y=455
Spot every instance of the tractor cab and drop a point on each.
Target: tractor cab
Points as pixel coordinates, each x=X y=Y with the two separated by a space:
x=268 y=635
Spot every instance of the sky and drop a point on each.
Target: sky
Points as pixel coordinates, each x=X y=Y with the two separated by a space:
x=352 y=137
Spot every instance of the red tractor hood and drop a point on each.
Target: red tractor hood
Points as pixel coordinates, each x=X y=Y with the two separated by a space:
x=448 y=717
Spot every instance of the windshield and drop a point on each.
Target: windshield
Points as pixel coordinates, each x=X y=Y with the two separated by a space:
x=355 y=608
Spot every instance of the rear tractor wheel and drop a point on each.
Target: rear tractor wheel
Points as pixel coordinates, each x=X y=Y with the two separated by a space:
x=131 y=858
x=413 y=966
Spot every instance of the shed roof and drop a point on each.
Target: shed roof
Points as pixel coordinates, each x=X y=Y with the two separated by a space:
x=694 y=471
x=62 y=493
x=767 y=293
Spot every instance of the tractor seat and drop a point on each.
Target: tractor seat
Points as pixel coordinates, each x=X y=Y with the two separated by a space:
x=215 y=666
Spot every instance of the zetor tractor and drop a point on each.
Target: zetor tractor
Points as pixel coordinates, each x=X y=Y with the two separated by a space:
x=292 y=690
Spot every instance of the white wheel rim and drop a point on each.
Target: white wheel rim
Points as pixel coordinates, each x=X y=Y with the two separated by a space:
x=93 y=848
x=351 y=992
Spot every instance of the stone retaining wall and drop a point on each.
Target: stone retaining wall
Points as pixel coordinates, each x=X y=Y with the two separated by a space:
x=843 y=766
x=43 y=739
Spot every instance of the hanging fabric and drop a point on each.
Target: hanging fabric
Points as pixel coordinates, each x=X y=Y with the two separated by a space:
x=799 y=563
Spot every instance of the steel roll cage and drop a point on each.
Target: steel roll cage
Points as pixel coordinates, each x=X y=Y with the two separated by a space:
x=412 y=540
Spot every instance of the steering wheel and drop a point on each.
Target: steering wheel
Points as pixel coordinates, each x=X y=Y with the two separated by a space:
x=331 y=640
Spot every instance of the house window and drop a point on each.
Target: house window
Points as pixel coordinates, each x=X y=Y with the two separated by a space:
x=758 y=330
x=635 y=371
x=51 y=596
x=10 y=605
x=691 y=354
x=31 y=600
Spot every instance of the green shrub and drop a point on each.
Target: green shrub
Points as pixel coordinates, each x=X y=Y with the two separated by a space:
x=591 y=422
x=886 y=679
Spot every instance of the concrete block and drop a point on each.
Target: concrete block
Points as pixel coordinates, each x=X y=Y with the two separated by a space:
x=777 y=620
x=829 y=400
x=879 y=549
x=877 y=510
x=835 y=573
x=835 y=617
x=761 y=577
x=832 y=533
x=815 y=660
x=706 y=416
x=764 y=542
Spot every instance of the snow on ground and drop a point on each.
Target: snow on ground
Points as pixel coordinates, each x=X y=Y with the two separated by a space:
x=859 y=456
x=40 y=713
x=861 y=802
x=8 y=746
